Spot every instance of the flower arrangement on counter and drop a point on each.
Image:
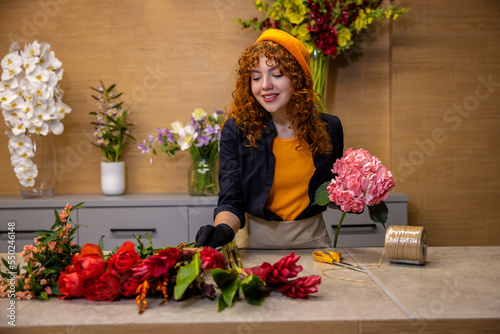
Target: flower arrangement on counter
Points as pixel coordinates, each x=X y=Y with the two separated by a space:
x=327 y=28
x=112 y=125
x=31 y=103
x=361 y=180
x=201 y=137
x=52 y=251
x=56 y=266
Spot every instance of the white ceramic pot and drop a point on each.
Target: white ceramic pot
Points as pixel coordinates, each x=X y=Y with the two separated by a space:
x=113 y=178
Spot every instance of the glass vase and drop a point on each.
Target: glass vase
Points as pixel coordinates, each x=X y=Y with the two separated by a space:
x=203 y=178
x=45 y=161
x=319 y=69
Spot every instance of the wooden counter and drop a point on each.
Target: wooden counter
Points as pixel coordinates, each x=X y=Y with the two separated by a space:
x=456 y=291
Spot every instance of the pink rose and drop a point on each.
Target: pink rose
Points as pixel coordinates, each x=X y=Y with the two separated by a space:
x=212 y=259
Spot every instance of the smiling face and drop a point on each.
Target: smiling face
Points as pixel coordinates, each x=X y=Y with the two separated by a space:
x=270 y=87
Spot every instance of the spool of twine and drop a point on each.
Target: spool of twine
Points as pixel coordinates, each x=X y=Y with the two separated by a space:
x=406 y=244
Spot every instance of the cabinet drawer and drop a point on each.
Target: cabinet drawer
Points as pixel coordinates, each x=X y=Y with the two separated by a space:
x=358 y=230
x=27 y=221
x=167 y=226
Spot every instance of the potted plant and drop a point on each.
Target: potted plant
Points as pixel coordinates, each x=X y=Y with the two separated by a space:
x=111 y=135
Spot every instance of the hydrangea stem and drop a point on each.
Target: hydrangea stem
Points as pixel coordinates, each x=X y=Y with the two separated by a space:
x=338 y=230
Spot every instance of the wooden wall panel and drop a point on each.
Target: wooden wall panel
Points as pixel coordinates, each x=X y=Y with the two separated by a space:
x=445 y=119
x=394 y=92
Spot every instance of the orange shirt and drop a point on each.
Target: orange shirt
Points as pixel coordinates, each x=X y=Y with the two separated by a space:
x=293 y=171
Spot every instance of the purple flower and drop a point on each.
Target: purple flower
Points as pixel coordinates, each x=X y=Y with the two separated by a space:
x=202 y=141
x=143 y=147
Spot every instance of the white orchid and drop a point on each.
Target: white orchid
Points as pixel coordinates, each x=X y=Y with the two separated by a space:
x=187 y=136
x=30 y=99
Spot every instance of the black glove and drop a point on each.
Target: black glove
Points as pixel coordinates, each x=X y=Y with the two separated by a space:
x=214 y=236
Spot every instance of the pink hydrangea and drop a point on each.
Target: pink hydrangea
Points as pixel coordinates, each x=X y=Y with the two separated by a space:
x=361 y=180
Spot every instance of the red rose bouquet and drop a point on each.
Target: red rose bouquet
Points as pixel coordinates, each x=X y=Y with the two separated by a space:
x=361 y=180
x=90 y=276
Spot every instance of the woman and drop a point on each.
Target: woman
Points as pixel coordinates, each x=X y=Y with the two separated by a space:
x=276 y=149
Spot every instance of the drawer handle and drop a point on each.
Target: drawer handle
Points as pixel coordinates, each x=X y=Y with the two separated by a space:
x=20 y=231
x=357 y=225
x=118 y=230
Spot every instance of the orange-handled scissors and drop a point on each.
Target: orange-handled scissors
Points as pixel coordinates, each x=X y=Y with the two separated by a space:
x=334 y=258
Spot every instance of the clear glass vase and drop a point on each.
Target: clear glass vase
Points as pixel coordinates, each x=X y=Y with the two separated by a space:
x=203 y=178
x=45 y=161
x=319 y=69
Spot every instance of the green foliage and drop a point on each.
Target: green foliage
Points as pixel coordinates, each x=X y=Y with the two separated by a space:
x=50 y=255
x=379 y=213
x=321 y=195
x=111 y=131
x=186 y=275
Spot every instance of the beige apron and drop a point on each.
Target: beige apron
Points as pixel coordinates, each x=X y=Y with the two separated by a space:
x=262 y=234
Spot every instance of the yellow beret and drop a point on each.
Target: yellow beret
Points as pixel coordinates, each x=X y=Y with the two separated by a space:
x=292 y=44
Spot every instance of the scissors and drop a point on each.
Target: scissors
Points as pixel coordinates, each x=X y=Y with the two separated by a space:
x=334 y=258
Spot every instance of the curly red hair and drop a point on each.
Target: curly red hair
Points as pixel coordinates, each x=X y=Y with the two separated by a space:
x=304 y=111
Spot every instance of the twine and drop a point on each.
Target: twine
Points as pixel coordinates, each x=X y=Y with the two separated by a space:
x=406 y=244
x=403 y=244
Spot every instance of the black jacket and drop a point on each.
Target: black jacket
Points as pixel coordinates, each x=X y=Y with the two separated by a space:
x=246 y=173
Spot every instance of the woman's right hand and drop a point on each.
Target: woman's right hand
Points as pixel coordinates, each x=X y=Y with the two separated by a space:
x=214 y=236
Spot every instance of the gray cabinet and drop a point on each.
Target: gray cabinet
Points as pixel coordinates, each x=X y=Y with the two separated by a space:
x=167 y=226
x=169 y=218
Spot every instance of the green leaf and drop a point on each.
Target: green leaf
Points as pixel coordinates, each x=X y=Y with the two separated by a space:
x=186 y=275
x=110 y=88
x=101 y=243
x=228 y=283
x=43 y=295
x=250 y=289
x=379 y=213
x=221 y=304
x=321 y=196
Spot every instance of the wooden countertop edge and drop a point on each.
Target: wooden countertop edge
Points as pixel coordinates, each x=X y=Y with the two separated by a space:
x=317 y=327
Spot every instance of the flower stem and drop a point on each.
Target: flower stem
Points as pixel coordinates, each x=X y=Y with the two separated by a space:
x=338 y=230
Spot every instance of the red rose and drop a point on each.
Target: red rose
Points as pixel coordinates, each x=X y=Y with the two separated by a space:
x=212 y=259
x=70 y=285
x=104 y=288
x=124 y=259
x=129 y=285
x=90 y=263
x=301 y=287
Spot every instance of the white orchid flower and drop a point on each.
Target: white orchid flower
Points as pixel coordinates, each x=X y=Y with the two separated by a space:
x=55 y=126
x=11 y=84
x=187 y=136
x=6 y=99
x=176 y=126
x=39 y=75
x=17 y=126
x=11 y=65
x=61 y=109
x=199 y=114
x=40 y=91
x=26 y=173
x=19 y=142
x=14 y=47
x=40 y=130
x=50 y=62
x=32 y=50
